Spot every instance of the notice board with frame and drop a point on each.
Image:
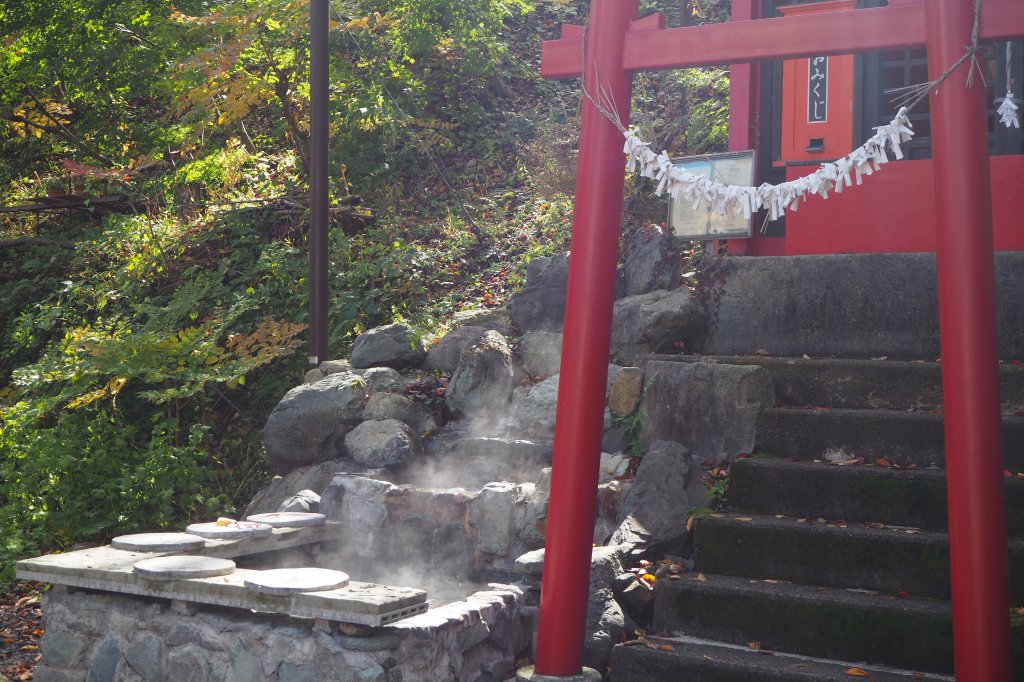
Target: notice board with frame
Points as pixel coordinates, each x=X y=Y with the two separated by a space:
x=704 y=223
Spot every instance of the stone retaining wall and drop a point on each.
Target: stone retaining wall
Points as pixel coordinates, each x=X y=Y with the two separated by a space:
x=103 y=637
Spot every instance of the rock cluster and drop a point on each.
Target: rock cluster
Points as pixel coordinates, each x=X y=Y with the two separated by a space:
x=436 y=457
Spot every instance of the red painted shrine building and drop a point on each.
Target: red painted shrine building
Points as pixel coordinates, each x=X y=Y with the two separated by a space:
x=773 y=110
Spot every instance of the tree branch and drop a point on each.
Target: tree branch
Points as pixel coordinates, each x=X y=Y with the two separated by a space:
x=63 y=131
x=281 y=88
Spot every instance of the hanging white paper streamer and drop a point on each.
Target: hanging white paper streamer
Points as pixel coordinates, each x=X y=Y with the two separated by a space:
x=683 y=185
x=1007 y=110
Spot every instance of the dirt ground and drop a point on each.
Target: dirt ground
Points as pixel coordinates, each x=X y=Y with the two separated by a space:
x=21 y=628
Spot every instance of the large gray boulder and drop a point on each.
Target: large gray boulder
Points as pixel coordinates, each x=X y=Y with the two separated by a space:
x=657 y=322
x=606 y=622
x=709 y=408
x=308 y=424
x=533 y=407
x=653 y=262
x=655 y=508
x=380 y=379
x=481 y=386
x=383 y=443
x=491 y=319
x=283 y=488
x=396 y=406
x=444 y=355
x=394 y=345
x=541 y=303
x=497 y=514
x=541 y=353
x=359 y=503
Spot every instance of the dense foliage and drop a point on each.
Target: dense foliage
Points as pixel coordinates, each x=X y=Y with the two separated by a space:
x=144 y=339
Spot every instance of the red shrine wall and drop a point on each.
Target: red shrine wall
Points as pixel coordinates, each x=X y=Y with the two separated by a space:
x=894 y=211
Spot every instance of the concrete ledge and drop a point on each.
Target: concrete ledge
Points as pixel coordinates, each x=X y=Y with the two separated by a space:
x=856 y=306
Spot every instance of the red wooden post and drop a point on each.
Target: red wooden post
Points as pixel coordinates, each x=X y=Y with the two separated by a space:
x=584 y=369
x=743 y=91
x=970 y=372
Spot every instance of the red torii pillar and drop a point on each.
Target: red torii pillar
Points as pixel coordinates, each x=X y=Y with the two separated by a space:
x=617 y=45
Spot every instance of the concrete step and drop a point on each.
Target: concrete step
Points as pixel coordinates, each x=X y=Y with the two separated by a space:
x=889 y=560
x=864 y=384
x=903 y=438
x=691 y=659
x=909 y=633
x=863 y=492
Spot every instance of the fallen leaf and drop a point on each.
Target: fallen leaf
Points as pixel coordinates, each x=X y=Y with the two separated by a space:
x=900 y=595
x=856 y=672
x=689 y=523
x=881 y=357
x=912 y=531
x=701 y=577
x=855 y=460
x=744 y=518
x=882 y=462
x=666 y=647
x=756 y=646
x=780 y=516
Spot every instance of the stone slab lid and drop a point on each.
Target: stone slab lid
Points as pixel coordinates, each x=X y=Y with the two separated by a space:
x=289 y=519
x=178 y=567
x=158 y=542
x=286 y=581
x=233 y=530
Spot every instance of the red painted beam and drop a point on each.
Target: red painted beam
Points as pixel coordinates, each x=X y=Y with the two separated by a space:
x=739 y=42
x=1002 y=19
x=970 y=369
x=596 y=226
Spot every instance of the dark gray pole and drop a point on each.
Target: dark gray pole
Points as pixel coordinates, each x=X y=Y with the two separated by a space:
x=318 y=184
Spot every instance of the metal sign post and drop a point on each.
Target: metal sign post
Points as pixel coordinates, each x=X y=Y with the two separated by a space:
x=318 y=180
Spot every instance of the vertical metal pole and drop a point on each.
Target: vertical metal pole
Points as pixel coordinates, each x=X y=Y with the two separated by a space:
x=970 y=372
x=584 y=369
x=318 y=183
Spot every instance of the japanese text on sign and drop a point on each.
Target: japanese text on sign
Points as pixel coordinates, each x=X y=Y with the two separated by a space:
x=817 y=89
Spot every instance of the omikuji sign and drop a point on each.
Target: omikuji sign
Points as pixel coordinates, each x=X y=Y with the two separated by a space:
x=618 y=44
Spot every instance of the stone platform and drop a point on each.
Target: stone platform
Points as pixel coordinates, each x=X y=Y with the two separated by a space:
x=112 y=570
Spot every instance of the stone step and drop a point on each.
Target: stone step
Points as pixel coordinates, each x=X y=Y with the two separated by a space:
x=845 y=305
x=863 y=492
x=889 y=560
x=691 y=659
x=863 y=384
x=910 y=633
x=903 y=438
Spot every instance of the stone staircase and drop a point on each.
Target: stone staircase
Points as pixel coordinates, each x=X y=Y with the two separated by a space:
x=824 y=571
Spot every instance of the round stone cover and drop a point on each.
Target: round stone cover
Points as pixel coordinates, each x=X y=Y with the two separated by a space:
x=175 y=567
x=283 y=581
x=158 y=542
x=289 y=519
x=230 y=531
